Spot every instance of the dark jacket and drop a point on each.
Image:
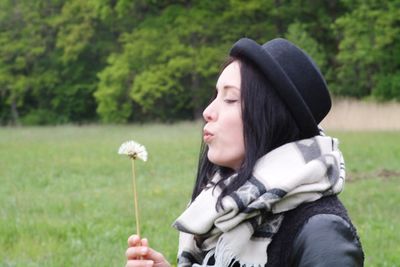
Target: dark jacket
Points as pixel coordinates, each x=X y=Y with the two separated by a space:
x=315 y=234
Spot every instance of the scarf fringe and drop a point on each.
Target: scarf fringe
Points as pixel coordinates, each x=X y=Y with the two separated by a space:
x=224 y=256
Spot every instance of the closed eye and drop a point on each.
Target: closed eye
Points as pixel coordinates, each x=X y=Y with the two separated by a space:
x=230 y=101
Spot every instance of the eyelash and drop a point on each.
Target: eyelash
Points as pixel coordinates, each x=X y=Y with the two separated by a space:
x=230 y=101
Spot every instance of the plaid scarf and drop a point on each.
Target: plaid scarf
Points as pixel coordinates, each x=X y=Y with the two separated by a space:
x=295 y=173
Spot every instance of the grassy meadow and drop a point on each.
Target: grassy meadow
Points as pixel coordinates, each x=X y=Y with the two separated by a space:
x=66 y=197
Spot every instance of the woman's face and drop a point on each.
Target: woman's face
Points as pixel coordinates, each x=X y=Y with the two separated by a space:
x=223 y=132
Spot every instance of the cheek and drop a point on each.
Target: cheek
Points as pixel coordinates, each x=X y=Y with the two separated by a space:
x=227 y=154
x=228 y=150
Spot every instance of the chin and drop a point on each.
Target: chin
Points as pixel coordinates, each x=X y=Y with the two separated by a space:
x=214 y=159
x=219 y=161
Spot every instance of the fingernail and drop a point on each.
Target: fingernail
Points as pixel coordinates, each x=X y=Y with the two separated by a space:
x=149 y=263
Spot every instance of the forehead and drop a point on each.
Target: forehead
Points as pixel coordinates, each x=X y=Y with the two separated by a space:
x=230 y=76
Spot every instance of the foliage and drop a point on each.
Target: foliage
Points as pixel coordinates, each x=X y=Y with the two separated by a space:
x=123 y=61
x=50 y=54
x=169 y=68
x=298 y=34
x=368 y=52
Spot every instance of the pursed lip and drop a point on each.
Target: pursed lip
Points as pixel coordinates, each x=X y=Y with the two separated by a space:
x=207 y=136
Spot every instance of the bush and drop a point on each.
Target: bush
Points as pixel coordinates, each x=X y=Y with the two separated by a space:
x=42 y=117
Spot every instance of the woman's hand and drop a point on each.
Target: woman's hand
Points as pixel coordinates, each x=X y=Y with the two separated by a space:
x=140 y=254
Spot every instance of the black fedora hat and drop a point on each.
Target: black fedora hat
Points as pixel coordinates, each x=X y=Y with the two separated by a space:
x=294 y=76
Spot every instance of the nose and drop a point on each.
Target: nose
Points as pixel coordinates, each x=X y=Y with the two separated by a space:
x=209 y=113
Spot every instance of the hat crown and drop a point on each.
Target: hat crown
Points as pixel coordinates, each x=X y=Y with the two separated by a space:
x=304 y=73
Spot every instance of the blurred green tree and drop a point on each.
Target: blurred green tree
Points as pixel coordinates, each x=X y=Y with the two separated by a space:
x=369 y=50
x=26 y=41
x=166 y=67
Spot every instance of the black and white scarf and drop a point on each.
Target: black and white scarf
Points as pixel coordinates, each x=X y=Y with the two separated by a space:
x=295 y=173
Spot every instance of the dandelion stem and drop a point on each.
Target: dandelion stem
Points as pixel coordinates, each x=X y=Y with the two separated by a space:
x=135 y=198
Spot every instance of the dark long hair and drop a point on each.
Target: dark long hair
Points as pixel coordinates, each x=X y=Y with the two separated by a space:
x=267 y=124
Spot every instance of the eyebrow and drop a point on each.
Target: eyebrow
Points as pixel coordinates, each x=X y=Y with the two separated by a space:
x=228 y=86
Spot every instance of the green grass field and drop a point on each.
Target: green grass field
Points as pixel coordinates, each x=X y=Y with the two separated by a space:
x=66 y=197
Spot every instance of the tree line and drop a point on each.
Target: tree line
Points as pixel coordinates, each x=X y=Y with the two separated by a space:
x=116 y=61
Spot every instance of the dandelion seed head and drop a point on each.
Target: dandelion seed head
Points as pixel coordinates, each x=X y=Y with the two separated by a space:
x=133 y=150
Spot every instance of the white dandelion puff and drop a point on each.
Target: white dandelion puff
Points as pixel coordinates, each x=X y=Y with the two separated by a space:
x=133 y=150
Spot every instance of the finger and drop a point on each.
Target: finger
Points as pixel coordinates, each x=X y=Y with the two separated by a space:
x=155 y=255
x=133 y=253
x=144 y=242
x=139 y=263
x=136 y=252
x=134 y=240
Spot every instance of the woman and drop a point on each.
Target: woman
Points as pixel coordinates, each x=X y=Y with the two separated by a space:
x=266 y=187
